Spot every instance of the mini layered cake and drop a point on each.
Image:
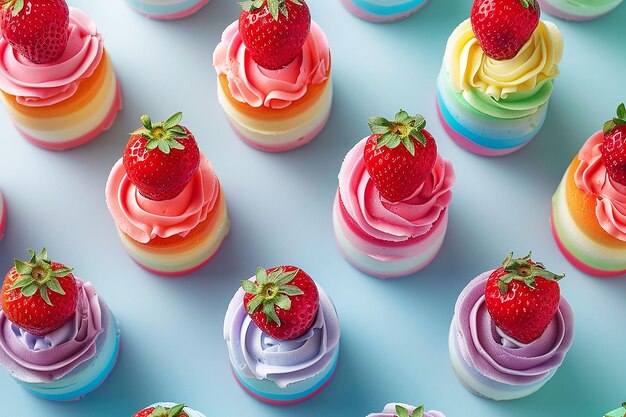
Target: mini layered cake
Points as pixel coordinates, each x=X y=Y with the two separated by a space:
x=277 y=94
x=61 y=92
x=3 y=216
x=579 y=10
x=620 y=412
x=391 y=208
x=493 y=95
x=282 y=333
x=383 y=10
x=405 y=410
x=167 y=9
x=510 y=331
x=58 y=339
x=167 y=409
x=589 y=206
x=166 y=200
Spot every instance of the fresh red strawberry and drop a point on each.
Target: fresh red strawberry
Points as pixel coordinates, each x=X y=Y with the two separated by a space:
x=614 y=146
x=502 y=27
x=38 y=30
x=403 y=412
x=161 y=159
x=398 y=171
x=159 y=411
x=39 y=296
x=282 y=311
x=522 y=298
x=274 y=31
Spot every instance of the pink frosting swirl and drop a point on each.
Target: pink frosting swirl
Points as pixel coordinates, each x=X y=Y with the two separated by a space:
x=38 y=85
x=143 y=219
x=390 y=411
x=46 y=359
x=591 y=176
x=257 y=86
x=395 y=222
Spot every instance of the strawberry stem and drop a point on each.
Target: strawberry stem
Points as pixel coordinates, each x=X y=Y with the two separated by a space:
x=162 y=135
x=403 y=412
x=402 y=130
x=172 y=412
x=275 y=7
x=620 y=120
x=524 y=270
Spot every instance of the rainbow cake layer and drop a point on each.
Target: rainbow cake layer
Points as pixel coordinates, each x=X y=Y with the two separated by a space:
x=386 y=239
x=167 y=9
x=171 y=237
x=3 y=216
x=383 y=10
x=68 y=102
x=277 y=110
x=70 y=362
x=282 y=372
x=588 y=220
x=491 y=107
x=578 y=10
x=493 y=365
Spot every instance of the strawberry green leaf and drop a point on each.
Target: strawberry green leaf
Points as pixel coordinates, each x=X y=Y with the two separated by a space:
x=286 y=278
x=273 y=276
x=176 y=410
x=270 y=312
x=55 y=286
x=17 y=7
x=29 y=290
x=173 y=121
x=401 y=411
x=152 y=144
x=621 y=111
x=163 y=147
x=254 y=304
x=378 y=125
x=291 y=290
x=261 y=276
x=395 y=141
x=418 y=412
x=409 y=145
x=43 y=293
x=283 y=302
x=22 y=282
x=22 y=268
x=249 y=287
x=146 y=122
x=402 y=117
x=61 y=272
x=272 y=5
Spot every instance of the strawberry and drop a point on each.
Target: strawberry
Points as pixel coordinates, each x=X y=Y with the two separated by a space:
x=159 y=411
x=522 y=298
x=614 y=146
x=502 y=27
x=38 y=30
x=288 y=311
x=398 y=171
x=161 y=159
x=403 y=412
x=39 y=296
x=272 y=40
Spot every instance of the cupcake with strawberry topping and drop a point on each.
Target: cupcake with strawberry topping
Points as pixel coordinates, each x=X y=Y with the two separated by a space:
x=405 y=410
x=391 y=208
x=579 y=10
x=58 y=339
x=511 y=330
x=166 y=200
x=620 y=412
x=167 y=409
x=273 y=70
x=3 y=216
x=57 y=80
x=589 y=206
x=167 y=9
x=498 y=75
x=282 y=333
x=380 y=11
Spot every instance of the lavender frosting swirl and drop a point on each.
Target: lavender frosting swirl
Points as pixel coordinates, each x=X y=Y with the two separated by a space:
x=390 y=411
x=45 y=359
x=256 y=355
x=499 y=357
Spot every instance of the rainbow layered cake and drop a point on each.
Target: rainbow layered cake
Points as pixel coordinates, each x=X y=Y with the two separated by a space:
x=166 y=409
x=502 y=351
x=166 y=201
x=57 y=80
x=383 y=10
x=3 y=216
x=620 y=412
x=391 y=207
x=579 y=10
x=282 y=333
x=167 y=9
x=405 y=410
x=277 y=94
x=589 y=206
x=493 y=95
x=58 y=338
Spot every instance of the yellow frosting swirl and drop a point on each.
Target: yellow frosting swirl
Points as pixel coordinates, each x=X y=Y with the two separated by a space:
x=470 y=68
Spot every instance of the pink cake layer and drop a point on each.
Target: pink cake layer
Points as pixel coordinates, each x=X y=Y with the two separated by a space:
x=286 y=146
x=178 y=15
x=467 y=144
x=577 y=262
x=105 y=125
x=568 y=16
x=362 y=14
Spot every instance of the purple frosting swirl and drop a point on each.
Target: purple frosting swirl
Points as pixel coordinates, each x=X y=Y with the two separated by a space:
x=256 y=355
x=45 y=359
x=390 y=411
x=499 y=357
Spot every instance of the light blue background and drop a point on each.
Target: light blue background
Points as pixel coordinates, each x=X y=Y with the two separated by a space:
x=394 y=341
